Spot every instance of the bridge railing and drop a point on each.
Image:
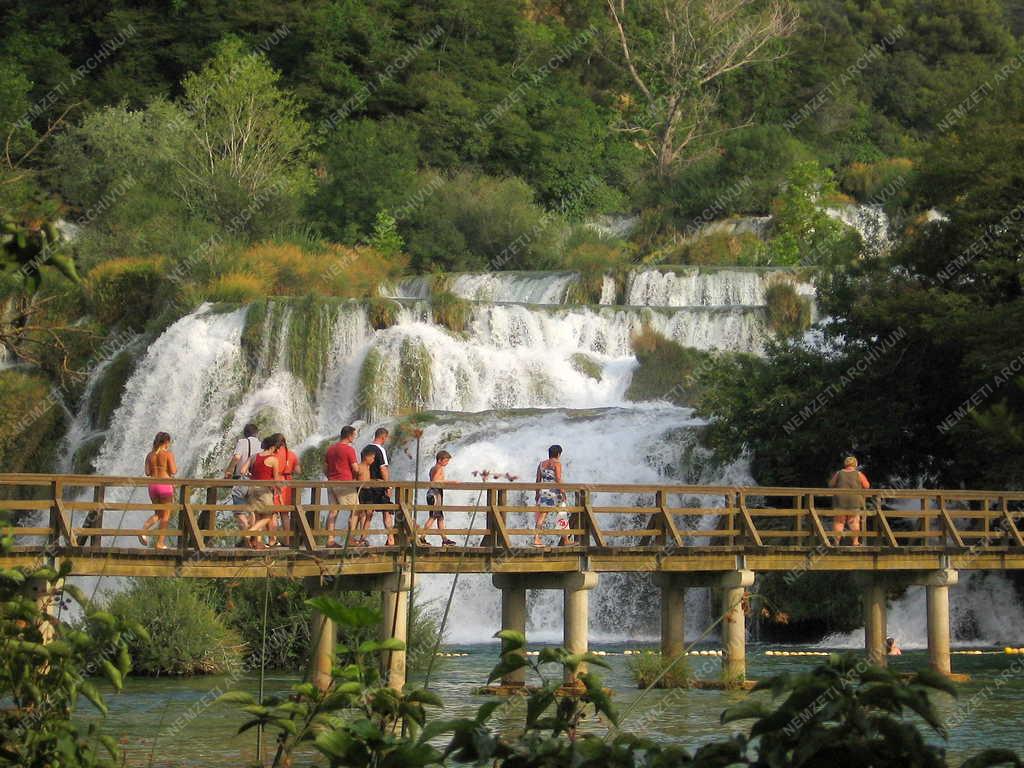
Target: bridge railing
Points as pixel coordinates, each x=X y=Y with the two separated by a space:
x=94 y=512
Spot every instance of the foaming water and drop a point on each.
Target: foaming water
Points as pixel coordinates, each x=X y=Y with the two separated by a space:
x=695 y=286
x=641 y=444
x=983 y=611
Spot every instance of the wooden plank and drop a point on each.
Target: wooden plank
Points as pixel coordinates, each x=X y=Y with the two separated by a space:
x=818 y=527
x=1004 y=510
x=591 y=523
x=748 y=521
x=192 y=526
x=95 y=519
x=64 y=522
x=299 y=518
x=670 y=524
x=950 y=527
x=886 y=528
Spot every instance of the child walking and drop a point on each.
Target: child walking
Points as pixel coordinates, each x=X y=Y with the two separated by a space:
x=435 y=498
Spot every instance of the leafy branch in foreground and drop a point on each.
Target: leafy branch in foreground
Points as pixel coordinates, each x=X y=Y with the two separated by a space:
x=44 y=668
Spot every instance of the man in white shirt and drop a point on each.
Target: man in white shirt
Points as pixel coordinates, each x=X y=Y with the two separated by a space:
x=247 y=447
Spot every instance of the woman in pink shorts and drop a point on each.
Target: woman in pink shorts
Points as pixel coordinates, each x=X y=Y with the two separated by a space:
x=160 y=465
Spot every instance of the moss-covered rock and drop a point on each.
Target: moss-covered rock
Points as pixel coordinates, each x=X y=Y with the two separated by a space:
x=587 y=366
x=667 y=370
x=450 y=311
x=84 y=460
x=789 y=313
x=382 y=313
x=252 y=332
x=106 y=395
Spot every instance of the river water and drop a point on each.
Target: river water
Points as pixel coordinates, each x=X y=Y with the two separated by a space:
x=169 y=722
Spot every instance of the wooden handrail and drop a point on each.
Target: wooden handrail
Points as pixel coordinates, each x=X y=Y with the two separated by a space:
x=979 y=519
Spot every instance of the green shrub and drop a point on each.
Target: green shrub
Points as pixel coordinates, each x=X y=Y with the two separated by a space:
x=31 y=424
x=667 y=370
x=129 y=290
x=789 y=313
x=593 y=258
x=45 y=668
x=382 y=313
x=477 y=222
x=719 y=248
x=868 y=181
x=451 y=311
x=237 y=288
x=185 y=635
x=651 y=668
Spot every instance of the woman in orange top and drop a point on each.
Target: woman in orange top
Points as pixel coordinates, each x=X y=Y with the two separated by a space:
x=160 y=464
x=288 y=463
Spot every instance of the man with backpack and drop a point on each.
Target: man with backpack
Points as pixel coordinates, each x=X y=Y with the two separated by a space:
x=238 y=469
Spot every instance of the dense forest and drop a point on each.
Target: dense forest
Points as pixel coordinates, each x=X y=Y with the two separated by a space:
x=162 y=154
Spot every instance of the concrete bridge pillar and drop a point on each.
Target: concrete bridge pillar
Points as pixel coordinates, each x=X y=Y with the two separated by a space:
x=576 y=601
x=323 y=636
x=394 y=624
x=874 y=619
x=513 y=616
x=937 y=584
x=673 y=614
x=734 y=632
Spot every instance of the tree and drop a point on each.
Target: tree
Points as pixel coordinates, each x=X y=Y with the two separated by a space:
x=251 y=141
x=677 y=53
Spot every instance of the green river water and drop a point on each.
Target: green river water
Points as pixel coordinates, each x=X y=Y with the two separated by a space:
x=169 y=722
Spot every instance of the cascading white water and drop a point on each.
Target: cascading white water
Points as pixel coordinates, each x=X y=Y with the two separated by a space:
x=696 y=286
x=984 y=611
x=643 y=443
x=519 y=378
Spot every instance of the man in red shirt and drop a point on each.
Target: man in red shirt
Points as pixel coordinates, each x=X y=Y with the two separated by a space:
x=340 y=464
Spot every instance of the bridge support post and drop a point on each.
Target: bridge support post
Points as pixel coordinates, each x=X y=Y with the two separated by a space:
x=673 y=613
x=575 y=630
x=513 y=616
x=395 y=625
x=734 y=631
x=323 y=635
x=874 y=619
x=937 y=584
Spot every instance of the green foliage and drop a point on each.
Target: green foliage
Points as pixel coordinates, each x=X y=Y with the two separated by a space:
x=719 y=248
x=789 y=313
x=385 y=237
x=800 y=226
x=184 y=635
x=451 y=311
x=847 y=707
x=128 y=291
x=32 y=422
x=666 y=370
x=476 y=222
x=652 y=669
x=872 y=181
x=370 y=169
x=593 y=259
x=45 y=669
x=813 y=604
x=248 y=137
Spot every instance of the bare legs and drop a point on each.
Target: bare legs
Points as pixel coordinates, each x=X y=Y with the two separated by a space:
x=847 y=521
x=538 y=523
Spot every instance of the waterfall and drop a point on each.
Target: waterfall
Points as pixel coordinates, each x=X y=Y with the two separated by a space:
x=870 y=221
x=643 y=443
x=528 y=370
x=984 y=611
x=703 y=286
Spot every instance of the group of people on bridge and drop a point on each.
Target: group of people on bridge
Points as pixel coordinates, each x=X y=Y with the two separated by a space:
x=271 y=460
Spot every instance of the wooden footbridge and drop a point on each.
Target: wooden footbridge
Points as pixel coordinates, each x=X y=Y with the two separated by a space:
x=686 y=536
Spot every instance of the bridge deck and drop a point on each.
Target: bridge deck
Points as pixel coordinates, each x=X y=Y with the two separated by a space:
x=95 y=520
